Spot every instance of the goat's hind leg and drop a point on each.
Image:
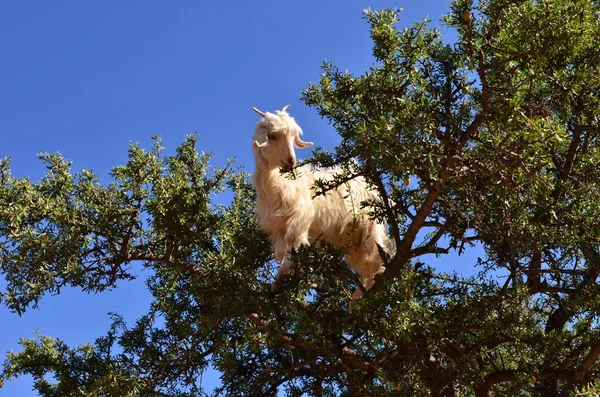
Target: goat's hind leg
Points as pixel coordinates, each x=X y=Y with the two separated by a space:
x=367 y=284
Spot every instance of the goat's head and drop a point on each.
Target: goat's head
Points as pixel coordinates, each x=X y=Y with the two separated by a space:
x=275 y=136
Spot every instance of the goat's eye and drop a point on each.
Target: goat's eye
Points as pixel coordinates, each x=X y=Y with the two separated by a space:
x=271 y=137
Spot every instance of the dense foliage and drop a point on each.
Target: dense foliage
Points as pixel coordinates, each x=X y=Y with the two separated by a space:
x=488 y=144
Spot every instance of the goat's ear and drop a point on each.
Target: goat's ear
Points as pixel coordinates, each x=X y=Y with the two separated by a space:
x=302 y=144
x=257 y=145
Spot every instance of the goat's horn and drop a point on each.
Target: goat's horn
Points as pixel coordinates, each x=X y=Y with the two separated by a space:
x=302 y=144
x=285 y=107
x=259 y=112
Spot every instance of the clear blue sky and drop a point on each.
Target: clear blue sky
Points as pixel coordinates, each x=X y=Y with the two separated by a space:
x=85 y=78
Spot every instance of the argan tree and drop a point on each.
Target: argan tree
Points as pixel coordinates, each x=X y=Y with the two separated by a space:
x=489 y=143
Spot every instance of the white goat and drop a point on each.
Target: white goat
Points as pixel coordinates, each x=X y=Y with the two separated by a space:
x=288 y=209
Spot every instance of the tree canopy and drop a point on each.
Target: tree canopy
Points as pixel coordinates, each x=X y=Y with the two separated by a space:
x=488 y=143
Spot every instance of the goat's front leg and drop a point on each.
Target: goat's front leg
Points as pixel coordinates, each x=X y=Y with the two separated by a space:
x=285 y=272
x=292 y=240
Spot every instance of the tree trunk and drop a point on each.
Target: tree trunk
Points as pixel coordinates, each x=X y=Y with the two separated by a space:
x=482 y=391
x=548 y=388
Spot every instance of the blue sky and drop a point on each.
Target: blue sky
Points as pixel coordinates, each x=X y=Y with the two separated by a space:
x=85 y=78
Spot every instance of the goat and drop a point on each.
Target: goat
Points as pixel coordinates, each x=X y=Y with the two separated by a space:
x=293 y=216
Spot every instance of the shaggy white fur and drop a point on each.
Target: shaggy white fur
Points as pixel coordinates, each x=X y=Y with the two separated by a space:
x=288 y=210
